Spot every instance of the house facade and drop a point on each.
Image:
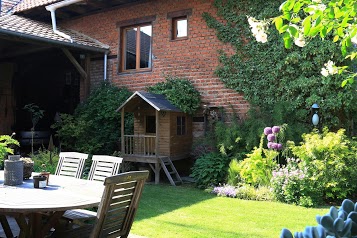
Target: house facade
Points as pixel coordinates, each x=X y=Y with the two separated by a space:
x=141 y=42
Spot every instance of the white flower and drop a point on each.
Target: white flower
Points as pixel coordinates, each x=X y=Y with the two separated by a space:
x=324 y=72
x=262 y=37
x=300 y=41
x=354 y=39
x=330 y=69
x=258 y=29
x=320 y=7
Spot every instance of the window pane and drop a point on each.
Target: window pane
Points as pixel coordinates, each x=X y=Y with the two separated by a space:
x=181 y=28
x=145 y=46
x=130 y=49
x=150 y=124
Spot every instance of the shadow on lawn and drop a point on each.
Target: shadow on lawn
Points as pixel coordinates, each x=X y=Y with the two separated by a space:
x=163 y=198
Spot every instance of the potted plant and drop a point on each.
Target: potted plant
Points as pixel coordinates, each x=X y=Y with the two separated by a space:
x=45 y=173
x=36 y=115
x=28 y=167
x=6 y=143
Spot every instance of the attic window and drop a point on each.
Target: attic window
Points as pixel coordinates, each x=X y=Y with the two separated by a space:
x=179 y=24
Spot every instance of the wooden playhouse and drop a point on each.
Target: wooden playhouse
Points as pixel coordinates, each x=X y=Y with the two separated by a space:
x=162 y=133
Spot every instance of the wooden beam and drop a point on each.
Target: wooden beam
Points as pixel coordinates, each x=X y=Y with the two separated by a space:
x=81 y=71
x=157 y=133
x=122 y=131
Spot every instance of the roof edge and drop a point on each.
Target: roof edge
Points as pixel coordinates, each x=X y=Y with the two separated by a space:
x=50 y=41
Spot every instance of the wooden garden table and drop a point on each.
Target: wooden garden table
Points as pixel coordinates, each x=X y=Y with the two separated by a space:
x=28 y=204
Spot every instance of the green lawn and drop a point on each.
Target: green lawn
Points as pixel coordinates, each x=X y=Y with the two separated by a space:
x=186 y=212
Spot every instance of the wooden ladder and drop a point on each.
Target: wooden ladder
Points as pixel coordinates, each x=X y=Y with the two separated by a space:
x=170 y=170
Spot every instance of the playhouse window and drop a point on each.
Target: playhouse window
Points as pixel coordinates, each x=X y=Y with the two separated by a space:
x=181 y=125
x=150 y=124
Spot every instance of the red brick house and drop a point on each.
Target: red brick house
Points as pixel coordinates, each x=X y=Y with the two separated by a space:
x=131 y=43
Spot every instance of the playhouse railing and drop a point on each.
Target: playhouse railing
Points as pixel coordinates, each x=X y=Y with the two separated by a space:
x=139 y=145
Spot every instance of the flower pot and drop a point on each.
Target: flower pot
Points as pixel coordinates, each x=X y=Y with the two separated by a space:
x=47 y=175
x=39 y=181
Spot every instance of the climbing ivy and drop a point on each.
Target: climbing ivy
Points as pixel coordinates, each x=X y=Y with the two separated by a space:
x=269 y=74
x=180 y=92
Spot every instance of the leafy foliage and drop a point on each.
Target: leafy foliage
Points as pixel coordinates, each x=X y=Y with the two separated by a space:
x=45 y=160
x=95 y=125
x=180 y=92
x=269 y=74
x=210 y=169
x=329 y=160
x=6 y=142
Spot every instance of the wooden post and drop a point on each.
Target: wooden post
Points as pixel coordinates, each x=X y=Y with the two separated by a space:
x=122 y=131
x=157 y=134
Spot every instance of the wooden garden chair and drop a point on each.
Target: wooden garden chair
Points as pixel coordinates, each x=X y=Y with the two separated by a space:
x=116 y=210
x=71 y=164
x=102 y=167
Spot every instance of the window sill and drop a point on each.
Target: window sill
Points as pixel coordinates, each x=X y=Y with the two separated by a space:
x=179 y=39
x=128 y=72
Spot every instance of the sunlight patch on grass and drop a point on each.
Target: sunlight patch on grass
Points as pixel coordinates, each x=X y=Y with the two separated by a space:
x=187 y=212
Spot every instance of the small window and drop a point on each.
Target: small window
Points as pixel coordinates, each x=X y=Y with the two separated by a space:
x=181 y=125
x=179 y=23
x=150 y=124
x=179 y=28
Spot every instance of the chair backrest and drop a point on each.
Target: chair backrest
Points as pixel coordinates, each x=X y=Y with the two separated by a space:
x=71 y=164
x=119 y=204
x=104 y=166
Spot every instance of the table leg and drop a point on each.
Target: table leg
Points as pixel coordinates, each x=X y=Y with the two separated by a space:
x=24 y=227
x=6 y=226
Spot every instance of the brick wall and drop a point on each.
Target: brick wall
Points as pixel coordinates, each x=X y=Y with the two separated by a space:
x=195 y=58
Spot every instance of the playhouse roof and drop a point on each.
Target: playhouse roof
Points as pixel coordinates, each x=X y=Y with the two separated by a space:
x=157 y=101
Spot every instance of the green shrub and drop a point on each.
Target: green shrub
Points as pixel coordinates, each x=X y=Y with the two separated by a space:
x=329 y=159
x=47 y=158
x=6 y=143
x=180 y=92
x=210 y=169
x=233 y=177
x=94 y=127
x=291 y=185
x=256 y=169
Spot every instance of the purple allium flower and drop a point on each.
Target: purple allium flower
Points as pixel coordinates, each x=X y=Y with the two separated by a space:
x=271 y=137
x=275 y=129
x=274 y=146
x=269 y=145
x=267 y=131
x=279 y=146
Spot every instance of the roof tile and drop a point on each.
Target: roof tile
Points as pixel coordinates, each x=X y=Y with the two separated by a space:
x=31 y=28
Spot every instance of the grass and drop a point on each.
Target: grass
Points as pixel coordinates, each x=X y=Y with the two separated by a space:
x=186 y=212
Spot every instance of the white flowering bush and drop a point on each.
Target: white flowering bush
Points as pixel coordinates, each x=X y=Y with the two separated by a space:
x=302 y=20
x=289 y=183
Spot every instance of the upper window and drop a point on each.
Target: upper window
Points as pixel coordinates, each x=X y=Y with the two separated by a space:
x=179 y=27
x=179 y=24
x=136 y=44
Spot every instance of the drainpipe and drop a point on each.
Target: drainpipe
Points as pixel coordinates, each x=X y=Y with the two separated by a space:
x=105 y=66
x=52 y=8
